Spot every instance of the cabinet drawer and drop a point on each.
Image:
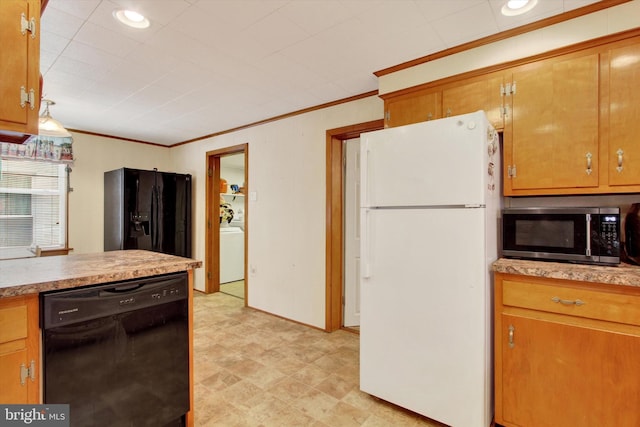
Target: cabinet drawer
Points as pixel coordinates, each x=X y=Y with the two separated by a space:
x=13 y=323
x=575 y=302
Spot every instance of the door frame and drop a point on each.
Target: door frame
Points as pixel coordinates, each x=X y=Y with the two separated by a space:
x=212 y=217
x=334 y=250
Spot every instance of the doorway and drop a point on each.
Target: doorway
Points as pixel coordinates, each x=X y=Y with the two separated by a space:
x=351 y=234
x=335 y=254
x=229 y=161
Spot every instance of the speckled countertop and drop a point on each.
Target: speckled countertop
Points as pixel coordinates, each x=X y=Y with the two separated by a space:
x=623 y=274
x=34 y=275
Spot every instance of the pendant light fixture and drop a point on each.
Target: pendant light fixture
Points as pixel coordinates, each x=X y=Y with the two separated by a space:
x=48 y=126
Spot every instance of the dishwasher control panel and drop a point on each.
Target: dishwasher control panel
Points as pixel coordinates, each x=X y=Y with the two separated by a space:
x=70 y=306
x=171 y=292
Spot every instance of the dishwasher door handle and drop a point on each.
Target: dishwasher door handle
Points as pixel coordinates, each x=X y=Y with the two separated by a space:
x=120 y=289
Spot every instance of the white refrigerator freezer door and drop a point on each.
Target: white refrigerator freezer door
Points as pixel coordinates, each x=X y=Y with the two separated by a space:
x=440 y=162
x=425 y=313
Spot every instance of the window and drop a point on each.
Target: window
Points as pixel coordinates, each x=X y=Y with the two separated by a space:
x=33 y=207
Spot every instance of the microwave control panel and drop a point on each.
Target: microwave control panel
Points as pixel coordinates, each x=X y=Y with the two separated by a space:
x=610 y=233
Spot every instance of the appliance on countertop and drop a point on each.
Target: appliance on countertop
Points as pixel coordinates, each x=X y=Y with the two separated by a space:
x=430 y=200
x=632 y=235
x=588 y=235
x=147 y=210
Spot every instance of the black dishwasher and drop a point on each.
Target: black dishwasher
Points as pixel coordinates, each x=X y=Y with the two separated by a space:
x=118 y=353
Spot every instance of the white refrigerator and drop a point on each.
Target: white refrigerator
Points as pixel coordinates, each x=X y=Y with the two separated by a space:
x=430 y=203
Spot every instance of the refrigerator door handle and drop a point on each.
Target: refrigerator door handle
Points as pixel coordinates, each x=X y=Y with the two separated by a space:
x=154 y=218
x=366 y=245
x=364 y=181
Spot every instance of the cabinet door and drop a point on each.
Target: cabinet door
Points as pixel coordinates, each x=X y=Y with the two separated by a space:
x=476 y=94
x=552 y=137
x=412 y=108
x=19 y=349
x=624 y=115
x=560 y=375
x=12 y=389
x=19 y=67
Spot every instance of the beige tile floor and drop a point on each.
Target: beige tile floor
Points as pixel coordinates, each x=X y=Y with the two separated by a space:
x=255 y=369
x=233 y=288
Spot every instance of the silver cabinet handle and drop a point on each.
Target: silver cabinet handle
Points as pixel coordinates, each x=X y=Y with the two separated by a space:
x=511 y=332
x=589 y=170
x=448 y=112
x=567 y=302
x=429 y=116
x=619 y=153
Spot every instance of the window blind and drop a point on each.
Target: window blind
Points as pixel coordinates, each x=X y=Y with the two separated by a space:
x=32 y=207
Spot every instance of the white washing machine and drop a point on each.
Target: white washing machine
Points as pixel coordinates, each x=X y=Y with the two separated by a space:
x=231 y=254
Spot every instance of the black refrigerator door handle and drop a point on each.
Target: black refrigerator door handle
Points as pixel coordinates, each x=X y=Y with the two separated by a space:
x=157 y=219
x=154 y=218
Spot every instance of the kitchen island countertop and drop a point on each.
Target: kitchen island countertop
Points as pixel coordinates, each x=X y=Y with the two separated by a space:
x=35 y=275
x=623 y=274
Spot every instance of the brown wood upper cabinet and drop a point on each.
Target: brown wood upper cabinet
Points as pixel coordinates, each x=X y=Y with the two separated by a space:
x=452 y=99
x=574 y=125
x=413 y=107
x=20 y=69
x=551 y=136
x=622 y=64
x=478 y=93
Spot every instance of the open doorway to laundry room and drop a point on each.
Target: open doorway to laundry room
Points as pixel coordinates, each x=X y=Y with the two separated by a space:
x=226 y=216
x=335 y=224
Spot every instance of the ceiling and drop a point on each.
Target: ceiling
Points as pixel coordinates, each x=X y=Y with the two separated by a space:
x=206 y=66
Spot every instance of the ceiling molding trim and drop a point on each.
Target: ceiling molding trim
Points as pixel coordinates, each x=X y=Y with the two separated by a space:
x=261 y=122
x=283 y=116
x=575 y=13
x=121 y=138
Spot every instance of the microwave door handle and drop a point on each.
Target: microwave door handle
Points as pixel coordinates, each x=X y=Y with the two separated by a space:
x=588 y=234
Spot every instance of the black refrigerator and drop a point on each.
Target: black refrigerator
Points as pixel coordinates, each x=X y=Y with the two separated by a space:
x=147 y=209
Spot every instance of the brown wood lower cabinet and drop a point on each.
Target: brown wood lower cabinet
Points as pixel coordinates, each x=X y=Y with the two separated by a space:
x=19 y=350
x=566 y=353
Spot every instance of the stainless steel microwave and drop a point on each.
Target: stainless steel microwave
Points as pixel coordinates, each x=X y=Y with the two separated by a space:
x=582 y=235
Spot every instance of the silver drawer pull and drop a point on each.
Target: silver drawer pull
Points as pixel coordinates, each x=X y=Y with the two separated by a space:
x=619 y=153
x=568 y=302
x=511 y=331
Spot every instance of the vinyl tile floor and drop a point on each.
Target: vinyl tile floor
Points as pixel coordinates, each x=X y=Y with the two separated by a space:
x=255 y=369
x=235 y=289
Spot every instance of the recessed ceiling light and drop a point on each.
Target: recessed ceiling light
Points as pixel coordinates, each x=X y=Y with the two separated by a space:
x=518 y=7
x=131 y=18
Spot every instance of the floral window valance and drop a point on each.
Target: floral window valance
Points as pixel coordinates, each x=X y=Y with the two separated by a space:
x=46 y=148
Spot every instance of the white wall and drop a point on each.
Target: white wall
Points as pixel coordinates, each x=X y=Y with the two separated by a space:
x=94 y=156
x=286 y=228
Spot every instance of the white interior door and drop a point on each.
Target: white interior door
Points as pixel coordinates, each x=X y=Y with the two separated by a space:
x=351 y=285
